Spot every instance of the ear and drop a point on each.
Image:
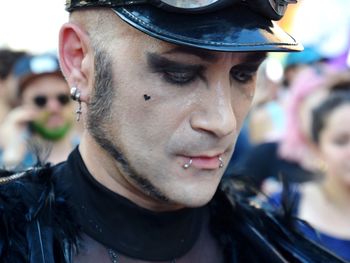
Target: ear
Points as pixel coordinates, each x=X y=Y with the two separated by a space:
x=77 y=58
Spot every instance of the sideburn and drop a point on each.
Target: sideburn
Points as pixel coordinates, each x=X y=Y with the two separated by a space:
x=101 y=104
x=98 y=118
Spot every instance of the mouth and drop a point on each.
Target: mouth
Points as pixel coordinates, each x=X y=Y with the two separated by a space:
x=203 y=162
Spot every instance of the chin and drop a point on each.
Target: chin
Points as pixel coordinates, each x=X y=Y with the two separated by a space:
x=196 y=198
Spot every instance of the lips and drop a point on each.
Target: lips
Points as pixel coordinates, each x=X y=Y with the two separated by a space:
x=204 y=162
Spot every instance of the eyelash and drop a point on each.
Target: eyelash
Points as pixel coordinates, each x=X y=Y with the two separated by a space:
x=180 y=78
x=243 y=76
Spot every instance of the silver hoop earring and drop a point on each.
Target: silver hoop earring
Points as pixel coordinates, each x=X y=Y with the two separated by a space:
x=187 y=165
x=221 y=162
x=75 y=95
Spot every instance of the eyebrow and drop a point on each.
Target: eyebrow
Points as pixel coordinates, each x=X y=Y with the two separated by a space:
x=203 y=54
x=255 y=57
x=252 y=57
x=157 y=63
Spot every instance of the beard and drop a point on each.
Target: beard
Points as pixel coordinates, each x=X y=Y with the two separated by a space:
x=99 y=118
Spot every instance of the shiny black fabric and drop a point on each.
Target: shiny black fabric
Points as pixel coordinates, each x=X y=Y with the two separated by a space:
x=234 y=28
x=125 y=227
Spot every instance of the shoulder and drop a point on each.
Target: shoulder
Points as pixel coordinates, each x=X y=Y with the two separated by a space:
x=34 y=215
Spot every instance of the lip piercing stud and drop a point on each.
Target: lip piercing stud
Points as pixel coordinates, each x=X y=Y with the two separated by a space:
x=187 y=165
x=221 y=162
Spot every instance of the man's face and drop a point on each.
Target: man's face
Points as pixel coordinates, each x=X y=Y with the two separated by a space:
x=169 y=105
x=48 y=95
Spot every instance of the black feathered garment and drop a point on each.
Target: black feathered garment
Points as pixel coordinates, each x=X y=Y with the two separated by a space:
x=38 y=223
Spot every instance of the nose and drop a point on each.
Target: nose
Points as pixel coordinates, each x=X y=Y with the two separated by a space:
x=53 y=104
x=215 y=113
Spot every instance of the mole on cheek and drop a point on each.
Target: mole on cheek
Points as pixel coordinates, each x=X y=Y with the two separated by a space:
x=146 y=97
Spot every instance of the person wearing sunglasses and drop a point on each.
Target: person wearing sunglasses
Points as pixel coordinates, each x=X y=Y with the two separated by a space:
x=44 y=117
x=162 y=88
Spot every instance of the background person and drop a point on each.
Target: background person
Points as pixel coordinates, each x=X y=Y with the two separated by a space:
x=290 y=157
x=324 y=204
x=8 y=84
x=44 y=118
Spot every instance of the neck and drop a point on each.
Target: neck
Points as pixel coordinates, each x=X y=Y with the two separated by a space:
x=337 y=192
x=112 y=176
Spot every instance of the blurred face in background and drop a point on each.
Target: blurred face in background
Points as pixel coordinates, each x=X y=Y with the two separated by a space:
x=334 y=144
x=9 y=91
x=49 y=96
x=305 y=110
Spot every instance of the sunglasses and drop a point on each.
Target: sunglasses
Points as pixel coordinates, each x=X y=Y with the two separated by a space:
x=42 y=100
x=273 y=9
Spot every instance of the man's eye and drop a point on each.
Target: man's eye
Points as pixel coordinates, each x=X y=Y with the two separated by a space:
x=179 y=78
x=242 y=76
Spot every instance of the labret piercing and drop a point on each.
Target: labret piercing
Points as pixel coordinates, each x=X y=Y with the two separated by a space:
x=221 y=162
x=187 y=165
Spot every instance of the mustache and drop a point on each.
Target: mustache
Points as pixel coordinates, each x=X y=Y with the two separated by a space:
x=204 y=145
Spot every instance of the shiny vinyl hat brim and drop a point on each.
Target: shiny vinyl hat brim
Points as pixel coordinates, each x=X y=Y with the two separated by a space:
x=235 y=28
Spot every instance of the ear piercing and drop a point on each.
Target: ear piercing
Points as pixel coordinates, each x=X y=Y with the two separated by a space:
x=75 y=95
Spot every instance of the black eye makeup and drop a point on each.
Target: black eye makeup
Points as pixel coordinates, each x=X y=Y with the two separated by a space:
x=244 y=73
x=173 y=72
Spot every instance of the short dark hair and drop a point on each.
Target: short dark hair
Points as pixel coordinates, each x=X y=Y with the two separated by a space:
x=8 y=58
x=321 y=113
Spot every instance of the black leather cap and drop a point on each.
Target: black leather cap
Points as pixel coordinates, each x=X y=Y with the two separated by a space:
x=234 y=28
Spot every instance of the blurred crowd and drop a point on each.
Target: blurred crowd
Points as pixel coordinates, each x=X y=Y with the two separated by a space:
x=297 y=134
x=36 y=115
x=295 y=147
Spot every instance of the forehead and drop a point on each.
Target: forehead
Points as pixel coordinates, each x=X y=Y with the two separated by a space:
x=142 y=44
x=45 y=84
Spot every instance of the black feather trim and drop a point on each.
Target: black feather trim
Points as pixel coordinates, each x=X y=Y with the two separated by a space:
x=36 y=224
x=36 y=220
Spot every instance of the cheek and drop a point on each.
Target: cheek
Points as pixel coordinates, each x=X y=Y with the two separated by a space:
x=144 y=122
x=335 y=156
x=68 y=113
x=241 y=105
x=42 y=115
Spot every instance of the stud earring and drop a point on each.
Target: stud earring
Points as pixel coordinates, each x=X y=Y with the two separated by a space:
x=187 y=165
x=75 y=95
